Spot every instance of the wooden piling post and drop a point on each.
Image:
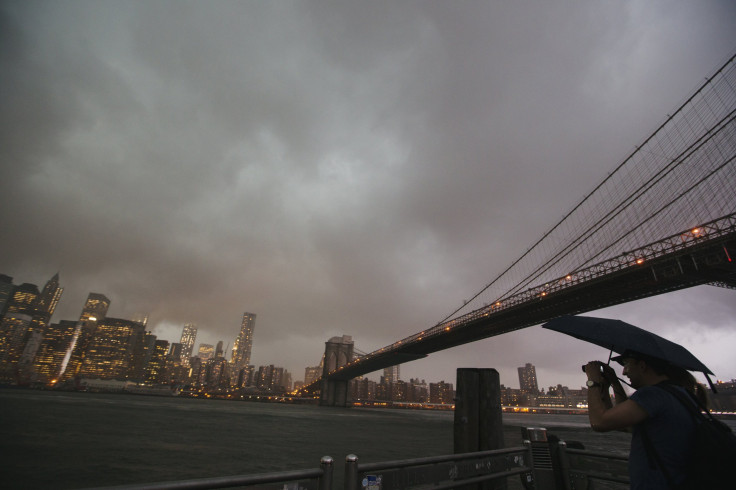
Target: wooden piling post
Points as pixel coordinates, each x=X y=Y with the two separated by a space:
x=478 y=415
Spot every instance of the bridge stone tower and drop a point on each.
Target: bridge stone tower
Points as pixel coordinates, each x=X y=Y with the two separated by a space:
x=338 y=352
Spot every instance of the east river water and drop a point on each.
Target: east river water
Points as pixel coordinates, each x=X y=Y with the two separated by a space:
x=64 y=440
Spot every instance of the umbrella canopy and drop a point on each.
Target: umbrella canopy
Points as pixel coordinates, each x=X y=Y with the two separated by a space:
x=621 y=337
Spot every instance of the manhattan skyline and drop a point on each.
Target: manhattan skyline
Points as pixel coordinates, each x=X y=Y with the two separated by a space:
x=336 y=169
x=97 y=305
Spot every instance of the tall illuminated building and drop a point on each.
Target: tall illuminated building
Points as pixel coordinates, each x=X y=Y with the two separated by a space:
x=16 y=327
x=528 y=379
x=50 y=356
x=113 y=349
x=49 y=297
x=156 y=367
x=95 y=309
x=142 y=360
x=27 y=313
x=188 y=335
x=12 y=332
x=243 y=346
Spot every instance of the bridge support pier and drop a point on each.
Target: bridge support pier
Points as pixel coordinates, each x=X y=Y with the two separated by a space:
x=336 y=392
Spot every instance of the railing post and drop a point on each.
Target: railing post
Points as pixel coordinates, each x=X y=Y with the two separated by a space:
x=564 y=465
x=325 y=481
x=542 y=461
x=351 y=472
x=527 y=479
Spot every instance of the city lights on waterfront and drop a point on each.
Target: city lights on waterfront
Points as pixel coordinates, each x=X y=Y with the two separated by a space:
x=104 y=354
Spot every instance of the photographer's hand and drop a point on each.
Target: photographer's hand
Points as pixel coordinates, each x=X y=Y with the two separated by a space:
x=594 y=373
x=618 y=390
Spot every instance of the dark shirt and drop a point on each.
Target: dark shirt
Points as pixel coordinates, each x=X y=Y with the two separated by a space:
x=671 y=429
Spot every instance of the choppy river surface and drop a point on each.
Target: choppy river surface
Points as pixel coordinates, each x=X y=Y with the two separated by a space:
x=75 y=440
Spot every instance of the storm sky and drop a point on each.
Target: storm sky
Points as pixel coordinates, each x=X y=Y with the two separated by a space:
x=335 y=167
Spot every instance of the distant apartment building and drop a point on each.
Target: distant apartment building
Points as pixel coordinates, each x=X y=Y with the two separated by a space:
x=363 y=389
x=214 y=373
x=272 y=379
x=312 y=374
x=441 y=393
x=528 y=379
x=417 y=391
x=391 y=374
x=512 y=397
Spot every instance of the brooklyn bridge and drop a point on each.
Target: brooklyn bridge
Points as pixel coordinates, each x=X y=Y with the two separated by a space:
x=663 y=220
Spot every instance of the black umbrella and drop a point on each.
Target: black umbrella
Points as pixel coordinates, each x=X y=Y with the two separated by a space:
x=621 y=337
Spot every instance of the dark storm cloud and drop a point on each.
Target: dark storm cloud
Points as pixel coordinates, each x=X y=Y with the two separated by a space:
x=334 y=167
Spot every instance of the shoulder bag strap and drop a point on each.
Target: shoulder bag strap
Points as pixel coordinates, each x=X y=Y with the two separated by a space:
x=693 y=405
x=653 y=456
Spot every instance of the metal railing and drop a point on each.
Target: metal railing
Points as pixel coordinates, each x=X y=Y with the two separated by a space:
x=315 y=478
x=440 y=472
x=541 y=464
x=579 y=467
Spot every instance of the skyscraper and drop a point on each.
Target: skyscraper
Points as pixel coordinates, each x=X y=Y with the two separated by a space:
x=55 y=343
x=243 y=345
x=16 y=327
x=188 y=335
x=113 y=349
x=95 y=309
x=49 y=297
x=528 y=379
x=27 y=314
x=155 y=370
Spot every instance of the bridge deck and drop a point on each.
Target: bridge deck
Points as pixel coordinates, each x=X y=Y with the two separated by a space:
x=652 y=270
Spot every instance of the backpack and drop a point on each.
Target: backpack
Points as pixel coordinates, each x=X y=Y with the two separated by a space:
x=714 y=451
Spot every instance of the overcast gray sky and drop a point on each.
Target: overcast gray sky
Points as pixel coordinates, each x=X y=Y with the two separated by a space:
x=335 y=167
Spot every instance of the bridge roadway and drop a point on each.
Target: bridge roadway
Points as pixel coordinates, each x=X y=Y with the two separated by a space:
x=704 y=255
